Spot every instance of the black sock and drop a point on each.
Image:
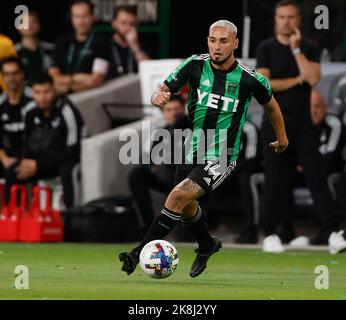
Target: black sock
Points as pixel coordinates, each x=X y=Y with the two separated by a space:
x=160 y=228
x=198 y=227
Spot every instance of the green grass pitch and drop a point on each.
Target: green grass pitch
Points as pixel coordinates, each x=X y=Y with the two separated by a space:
x=92 y=271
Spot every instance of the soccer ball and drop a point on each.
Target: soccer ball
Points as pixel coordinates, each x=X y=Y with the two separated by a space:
x=159 y=259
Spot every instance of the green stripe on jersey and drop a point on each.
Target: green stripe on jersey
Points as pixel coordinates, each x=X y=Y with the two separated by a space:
x=227 y=111
x=205 y=86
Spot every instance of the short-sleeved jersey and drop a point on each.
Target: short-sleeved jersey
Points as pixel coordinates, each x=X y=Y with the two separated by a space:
x=218 y=103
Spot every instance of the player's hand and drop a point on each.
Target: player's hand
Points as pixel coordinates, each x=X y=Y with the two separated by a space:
x=279 y=147
x=160 y=98
x=295 y=38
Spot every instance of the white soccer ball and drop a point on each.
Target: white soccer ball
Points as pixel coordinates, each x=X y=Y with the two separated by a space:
x=159 y=259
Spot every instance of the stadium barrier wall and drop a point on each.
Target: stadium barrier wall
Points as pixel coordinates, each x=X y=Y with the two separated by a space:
x=103 y=174
x=124 y=89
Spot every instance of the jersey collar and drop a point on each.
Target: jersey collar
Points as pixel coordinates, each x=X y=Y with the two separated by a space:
x=230 y=69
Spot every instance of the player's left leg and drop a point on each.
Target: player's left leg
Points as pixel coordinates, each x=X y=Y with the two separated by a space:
x=204 y=177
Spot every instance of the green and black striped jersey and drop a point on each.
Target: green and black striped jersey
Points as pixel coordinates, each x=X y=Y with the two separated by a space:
x=218 y=103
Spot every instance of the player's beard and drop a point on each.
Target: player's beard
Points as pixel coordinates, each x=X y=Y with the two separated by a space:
x=221 y=62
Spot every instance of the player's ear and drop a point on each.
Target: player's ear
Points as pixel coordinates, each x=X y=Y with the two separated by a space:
x=236 y=43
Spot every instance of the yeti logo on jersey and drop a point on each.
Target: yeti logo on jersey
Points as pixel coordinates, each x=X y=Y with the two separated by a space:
x=212 y=100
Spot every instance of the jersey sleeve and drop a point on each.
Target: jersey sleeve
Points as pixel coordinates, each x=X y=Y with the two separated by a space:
x=179 y=77
x=261 y=88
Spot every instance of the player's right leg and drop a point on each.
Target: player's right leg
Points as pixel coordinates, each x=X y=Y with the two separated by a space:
x=161 y=226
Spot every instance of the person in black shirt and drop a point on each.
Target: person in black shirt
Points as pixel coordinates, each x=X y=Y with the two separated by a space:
x=35 y=55
x=331 y=143
x=126 y=51
x=291 y=64
x=159 y=177
x=51 y=140
x=14 y=105
x=80 y=60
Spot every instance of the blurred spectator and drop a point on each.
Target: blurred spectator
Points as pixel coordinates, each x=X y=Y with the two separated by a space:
x=331 y=144
x=292 y=65
x=126 y=50
x=331 y=132
x=157 y=177
x=80 y=59
x=249 y=162
x=52 y=140
x=7 y=49
x=14 y=104
x=36 y=55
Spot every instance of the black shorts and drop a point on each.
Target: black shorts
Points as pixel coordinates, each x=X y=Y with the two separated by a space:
x=208 y=176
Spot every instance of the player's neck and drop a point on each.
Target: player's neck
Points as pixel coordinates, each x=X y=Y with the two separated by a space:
x=30 y=43
x=283 y=39
x=226 y=65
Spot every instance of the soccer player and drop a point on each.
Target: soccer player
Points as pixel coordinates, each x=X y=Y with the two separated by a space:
x=221 y=89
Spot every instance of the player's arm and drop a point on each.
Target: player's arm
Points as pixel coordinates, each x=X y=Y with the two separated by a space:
x=174 y=82
x=263 y=92
x=274 y=114
x=281 y=84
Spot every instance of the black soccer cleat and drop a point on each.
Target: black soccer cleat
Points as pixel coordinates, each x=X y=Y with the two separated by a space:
x=202 y=258
x=129 y=260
